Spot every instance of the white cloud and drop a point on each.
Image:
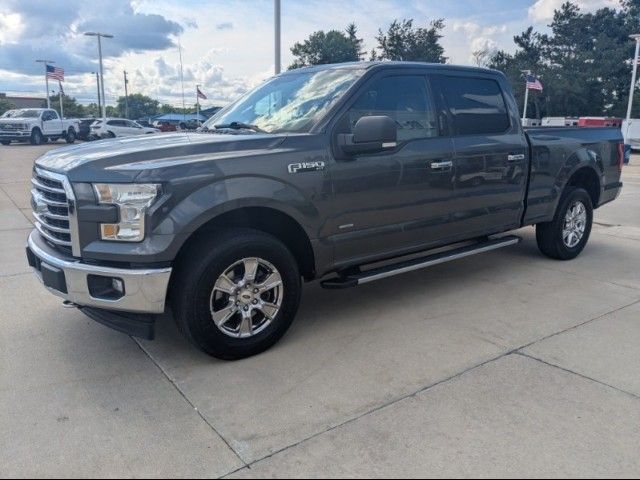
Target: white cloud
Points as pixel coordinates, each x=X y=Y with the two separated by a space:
x=542 y=10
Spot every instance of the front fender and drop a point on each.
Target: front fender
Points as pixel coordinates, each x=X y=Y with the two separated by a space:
x=229 y=194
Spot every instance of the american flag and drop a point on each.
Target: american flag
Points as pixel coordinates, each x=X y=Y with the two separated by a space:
x=55 y=73
x=533 y=83
x=200 y=94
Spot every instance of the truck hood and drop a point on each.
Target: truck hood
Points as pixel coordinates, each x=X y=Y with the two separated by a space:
x=133 y=154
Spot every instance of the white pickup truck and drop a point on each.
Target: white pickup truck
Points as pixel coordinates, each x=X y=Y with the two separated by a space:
x=37 y=125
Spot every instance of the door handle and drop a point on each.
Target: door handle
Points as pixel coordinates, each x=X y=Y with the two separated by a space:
x=515 y=157
x=441 y=165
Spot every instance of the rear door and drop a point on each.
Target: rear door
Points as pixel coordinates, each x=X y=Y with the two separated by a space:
x=490 y=152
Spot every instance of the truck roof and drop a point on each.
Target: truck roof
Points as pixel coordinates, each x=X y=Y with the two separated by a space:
x=390 y=64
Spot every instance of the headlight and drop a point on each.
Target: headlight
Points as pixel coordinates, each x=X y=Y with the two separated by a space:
x=132 y=199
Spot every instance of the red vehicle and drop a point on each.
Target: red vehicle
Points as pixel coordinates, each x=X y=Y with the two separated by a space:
x=599 y=122
x=165 y=126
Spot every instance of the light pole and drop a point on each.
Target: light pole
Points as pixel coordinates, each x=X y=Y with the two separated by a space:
x=276 y=13
x=526 y=73
x=100 y=35
x=46 y=78
x=98 y=87
x=635 y=37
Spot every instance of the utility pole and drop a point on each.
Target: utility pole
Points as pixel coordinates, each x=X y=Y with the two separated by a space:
x=126 y=96
x=276 y=11
x=101 y=35
x=46 y=78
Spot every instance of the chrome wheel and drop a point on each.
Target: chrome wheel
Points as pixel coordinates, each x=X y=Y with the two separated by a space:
x=575 y=224
x=246 y=298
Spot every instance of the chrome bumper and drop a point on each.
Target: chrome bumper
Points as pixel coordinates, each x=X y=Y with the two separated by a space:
x=144 y=289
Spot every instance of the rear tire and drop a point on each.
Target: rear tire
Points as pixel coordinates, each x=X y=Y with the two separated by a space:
x=567 y=234
x=71 y=136
x=198 y=292
x=36 y=137
x=5 y=142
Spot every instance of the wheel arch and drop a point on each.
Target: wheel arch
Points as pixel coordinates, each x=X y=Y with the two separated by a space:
x=266 y=219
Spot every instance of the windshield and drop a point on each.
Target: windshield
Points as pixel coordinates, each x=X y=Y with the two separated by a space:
x=27 y=114
x=289 y=103
x=9 y=114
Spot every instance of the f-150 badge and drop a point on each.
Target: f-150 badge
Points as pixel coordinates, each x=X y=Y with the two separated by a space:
x=306 y=167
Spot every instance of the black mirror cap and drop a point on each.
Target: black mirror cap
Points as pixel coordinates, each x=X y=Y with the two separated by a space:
x=375 y=128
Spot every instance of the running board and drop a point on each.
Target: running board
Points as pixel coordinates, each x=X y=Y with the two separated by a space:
x=355 y=279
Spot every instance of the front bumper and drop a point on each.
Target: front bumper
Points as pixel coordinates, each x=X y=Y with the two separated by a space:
x=145 y=290
x=15 y=135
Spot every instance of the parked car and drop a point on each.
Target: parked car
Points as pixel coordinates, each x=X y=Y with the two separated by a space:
x=320 y=173
x=119 y=127
x=84 y=131
x=165 y=126
x=37 y=125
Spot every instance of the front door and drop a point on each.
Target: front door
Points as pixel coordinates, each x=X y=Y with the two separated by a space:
x=397 y=201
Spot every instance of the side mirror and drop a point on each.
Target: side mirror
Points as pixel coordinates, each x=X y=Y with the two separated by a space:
x=370 y=135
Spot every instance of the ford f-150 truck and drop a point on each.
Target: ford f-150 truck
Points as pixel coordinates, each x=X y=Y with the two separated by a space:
x=36 y=125
x=342 y=173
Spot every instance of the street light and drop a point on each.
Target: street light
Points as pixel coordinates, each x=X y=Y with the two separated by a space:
x=100 y=35
x=635 y=37
x=276 y=22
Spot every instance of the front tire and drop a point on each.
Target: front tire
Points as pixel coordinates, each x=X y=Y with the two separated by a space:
x=36 y=137
x=235 y=293
x=5 y=142
x=567 y=234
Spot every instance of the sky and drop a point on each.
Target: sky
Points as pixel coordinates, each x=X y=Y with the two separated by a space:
x=227 y=45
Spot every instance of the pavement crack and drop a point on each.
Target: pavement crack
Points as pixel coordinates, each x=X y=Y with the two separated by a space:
x=579 y=325
x=189 y=402
x=526 y=355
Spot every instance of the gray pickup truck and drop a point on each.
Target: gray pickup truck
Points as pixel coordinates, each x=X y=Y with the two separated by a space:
x=342 y=173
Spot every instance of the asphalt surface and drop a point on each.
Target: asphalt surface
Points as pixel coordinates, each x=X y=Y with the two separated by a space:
x=502 y=364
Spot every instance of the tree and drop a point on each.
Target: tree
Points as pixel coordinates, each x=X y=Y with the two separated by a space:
x=584 y=62
x=139 y=106
x=330 y=47
x=403 y=41
x=72 y=109
x=5 y=105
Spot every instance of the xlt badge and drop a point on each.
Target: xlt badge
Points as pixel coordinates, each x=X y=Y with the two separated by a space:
x=306 y=167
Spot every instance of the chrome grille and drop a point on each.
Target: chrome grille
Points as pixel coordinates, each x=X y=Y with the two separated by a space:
x=52 y=204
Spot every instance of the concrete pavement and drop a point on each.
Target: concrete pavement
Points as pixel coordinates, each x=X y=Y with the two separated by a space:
x=504 y=364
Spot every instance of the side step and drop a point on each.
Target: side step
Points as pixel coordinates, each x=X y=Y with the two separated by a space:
x=355 y=279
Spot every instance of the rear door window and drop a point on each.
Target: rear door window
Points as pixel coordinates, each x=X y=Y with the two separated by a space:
x=477 y=105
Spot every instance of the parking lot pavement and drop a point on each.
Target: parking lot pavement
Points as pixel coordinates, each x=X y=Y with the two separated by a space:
x=506 y=364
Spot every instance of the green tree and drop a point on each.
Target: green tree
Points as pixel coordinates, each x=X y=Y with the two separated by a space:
x=330 y=47
x=139 y=106
x=72 y=109
x=584 y=62
x=5 y=105
x=403 y=41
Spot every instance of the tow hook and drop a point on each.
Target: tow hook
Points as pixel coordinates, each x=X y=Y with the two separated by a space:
x=69 y=304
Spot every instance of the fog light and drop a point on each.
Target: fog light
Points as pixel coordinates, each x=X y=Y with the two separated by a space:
x=105 y=288
x=118 y=285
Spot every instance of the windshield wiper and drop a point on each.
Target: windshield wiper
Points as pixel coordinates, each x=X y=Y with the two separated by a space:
x=239 y=126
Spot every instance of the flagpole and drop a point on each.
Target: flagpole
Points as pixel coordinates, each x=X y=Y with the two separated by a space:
x=197 y=105
x=633 y=75
x=60 y=98
x=46 y=78
x=526 y=96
